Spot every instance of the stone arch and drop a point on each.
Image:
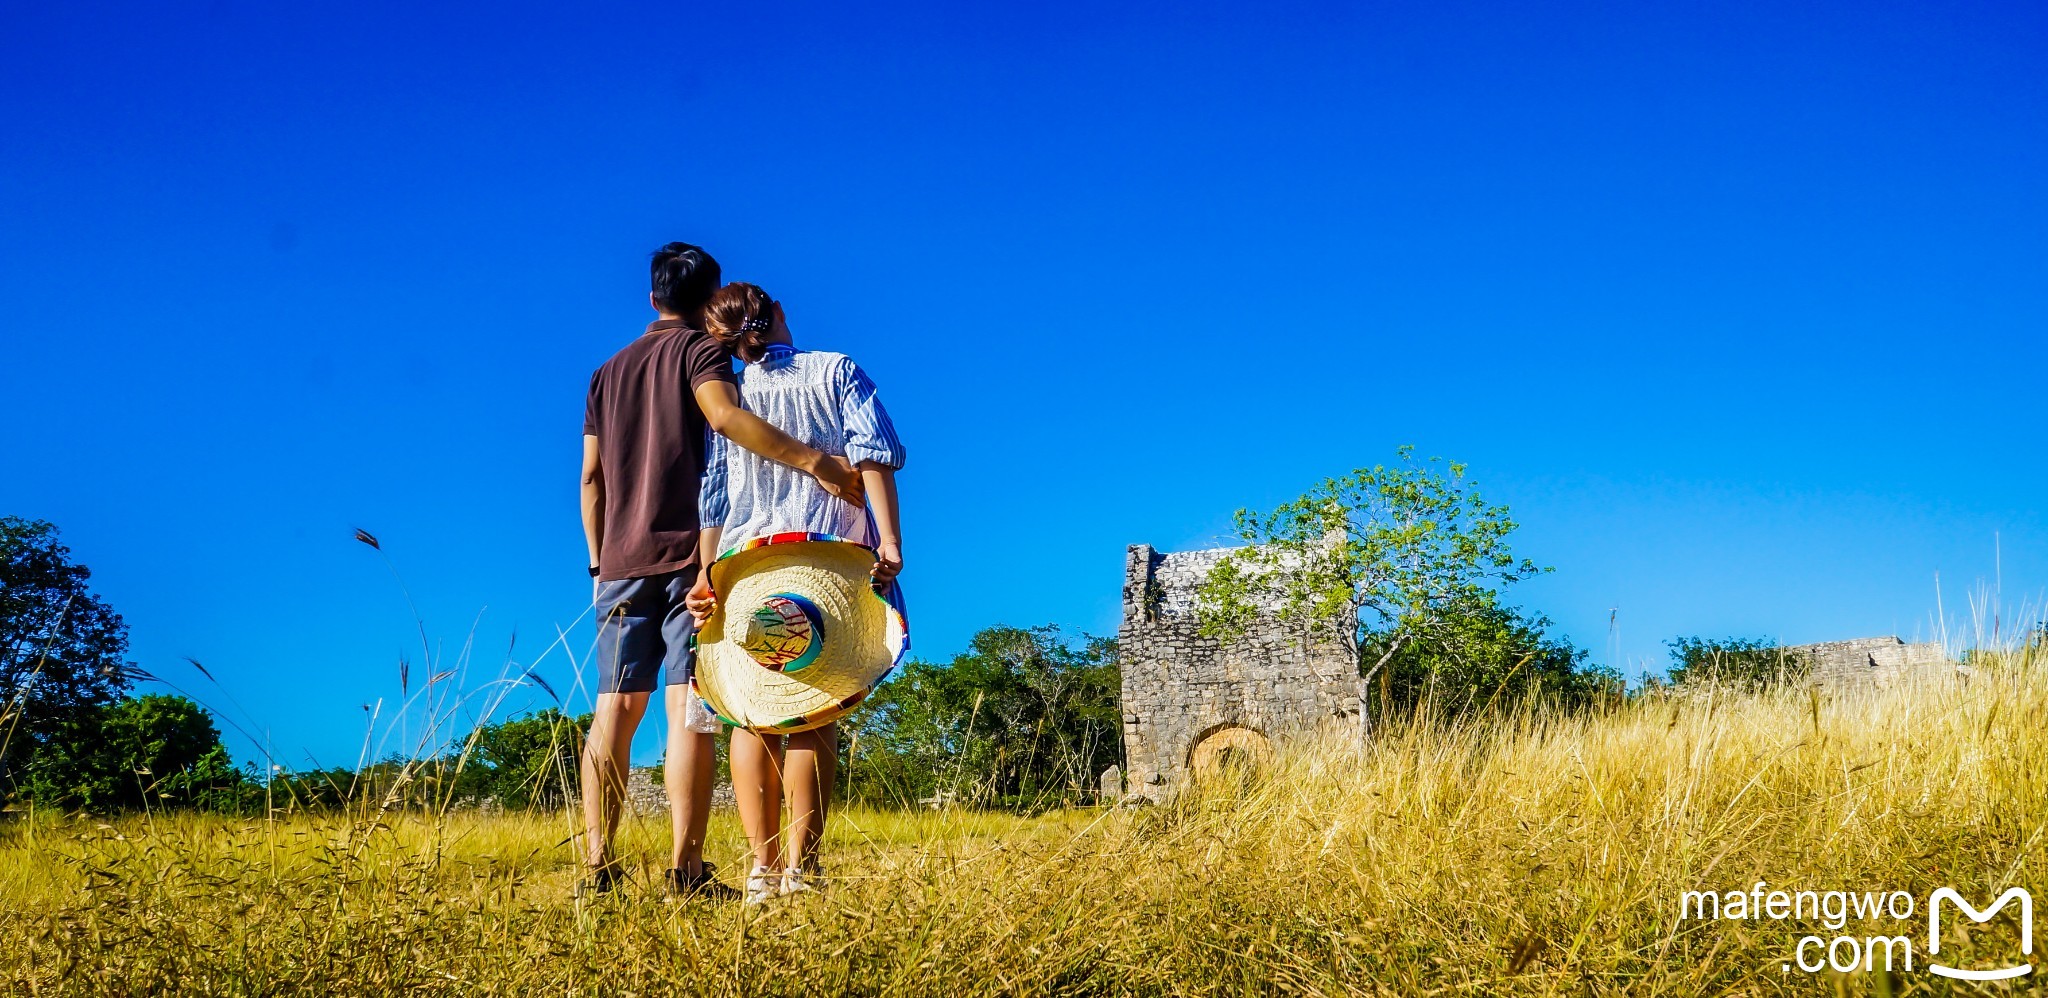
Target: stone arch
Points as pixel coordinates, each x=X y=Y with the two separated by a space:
x=1228 y=746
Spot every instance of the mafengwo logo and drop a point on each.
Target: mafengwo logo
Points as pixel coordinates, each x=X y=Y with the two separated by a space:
x=2026 y=932
x=1849 y=952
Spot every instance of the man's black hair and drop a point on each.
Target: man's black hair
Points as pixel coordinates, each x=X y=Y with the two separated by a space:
x=684 y=276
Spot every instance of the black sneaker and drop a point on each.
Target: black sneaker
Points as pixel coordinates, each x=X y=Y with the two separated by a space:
x=705 y=886
x=600 y=882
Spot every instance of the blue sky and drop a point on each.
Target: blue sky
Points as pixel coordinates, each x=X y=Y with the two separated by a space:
x=1739 y=306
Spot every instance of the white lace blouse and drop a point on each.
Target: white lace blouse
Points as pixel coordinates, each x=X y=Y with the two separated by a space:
x=822 y=399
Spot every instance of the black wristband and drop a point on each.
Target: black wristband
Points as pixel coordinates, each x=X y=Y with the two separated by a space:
x=593 y=571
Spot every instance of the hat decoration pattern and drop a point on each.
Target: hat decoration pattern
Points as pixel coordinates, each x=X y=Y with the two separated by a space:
x=800 y=635
x=785 y=633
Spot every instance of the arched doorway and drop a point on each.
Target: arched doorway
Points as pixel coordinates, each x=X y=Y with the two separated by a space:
x=1227 y=749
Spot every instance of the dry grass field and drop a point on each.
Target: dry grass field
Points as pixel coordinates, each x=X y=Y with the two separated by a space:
x=1520 y=854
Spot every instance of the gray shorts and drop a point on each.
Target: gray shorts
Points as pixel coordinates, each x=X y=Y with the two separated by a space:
x=644 y=631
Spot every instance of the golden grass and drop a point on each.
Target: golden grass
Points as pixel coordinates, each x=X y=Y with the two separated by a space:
x=1521 y=854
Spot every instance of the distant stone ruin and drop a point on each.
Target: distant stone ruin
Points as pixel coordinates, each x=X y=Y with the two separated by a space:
x=1192 y=704
x=1870 y=663
x=645 y=794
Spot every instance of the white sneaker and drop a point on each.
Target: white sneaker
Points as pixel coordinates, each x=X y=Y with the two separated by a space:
x=763 y=886
x=796 y=881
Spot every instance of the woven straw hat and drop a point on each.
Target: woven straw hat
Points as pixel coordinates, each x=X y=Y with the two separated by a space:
x=799 y=636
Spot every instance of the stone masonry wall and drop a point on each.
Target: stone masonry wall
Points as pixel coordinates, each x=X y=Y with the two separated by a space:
x=645 y=794
x=1179 y=687
x=1871 y=663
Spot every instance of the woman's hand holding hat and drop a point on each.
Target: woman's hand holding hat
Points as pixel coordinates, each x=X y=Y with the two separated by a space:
x=700 y=600
x=888 y=561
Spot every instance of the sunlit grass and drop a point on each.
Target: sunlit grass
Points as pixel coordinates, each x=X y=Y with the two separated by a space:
x=1521 y=853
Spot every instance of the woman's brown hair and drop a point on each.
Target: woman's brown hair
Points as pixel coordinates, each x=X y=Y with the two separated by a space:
x=740 y=315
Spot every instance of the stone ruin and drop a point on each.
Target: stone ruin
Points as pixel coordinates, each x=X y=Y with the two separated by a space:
x=1192 y=704
x=1870 y=663
x=645 y=794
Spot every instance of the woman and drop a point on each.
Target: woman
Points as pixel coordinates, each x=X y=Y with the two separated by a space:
x=825 y=401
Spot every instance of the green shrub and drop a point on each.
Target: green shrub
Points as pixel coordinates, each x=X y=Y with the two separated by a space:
x=142 y=752
x=1753 y=664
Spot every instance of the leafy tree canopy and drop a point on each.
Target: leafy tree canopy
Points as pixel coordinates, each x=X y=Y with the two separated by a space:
x=147 y=751
x=523 y=762
x=1022 y=718
x=1485 y=653
x=1384 y=552
x=1752 y=664
x=61 y=646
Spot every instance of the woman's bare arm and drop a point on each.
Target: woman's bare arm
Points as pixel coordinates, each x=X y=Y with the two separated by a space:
x=721 y=404
x=880 y=480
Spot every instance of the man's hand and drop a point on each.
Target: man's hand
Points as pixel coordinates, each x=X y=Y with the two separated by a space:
x=700 y=600
x=888 y=561
x=838 y=476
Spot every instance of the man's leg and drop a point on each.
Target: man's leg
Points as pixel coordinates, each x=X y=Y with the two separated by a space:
x=692 y=733
x=691 y=765
x=813 y=766
x=607 y=758
x=629 y=650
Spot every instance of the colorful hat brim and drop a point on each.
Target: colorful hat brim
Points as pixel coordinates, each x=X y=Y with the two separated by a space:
x=745 y=694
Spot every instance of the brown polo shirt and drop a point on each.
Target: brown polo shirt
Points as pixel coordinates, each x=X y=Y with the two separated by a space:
x=650 y=439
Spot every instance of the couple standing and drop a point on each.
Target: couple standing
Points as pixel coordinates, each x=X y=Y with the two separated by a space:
x=683 y=458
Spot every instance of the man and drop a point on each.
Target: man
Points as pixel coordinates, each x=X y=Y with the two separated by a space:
x=643 y=458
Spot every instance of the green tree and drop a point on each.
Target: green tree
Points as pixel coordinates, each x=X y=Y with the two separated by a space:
x=1023 y=718
x=61 y=646
x=1753 y=664
x=314 y=790
x=1379 y=559
x=523 y=762
x=156 y=750
x=1483 y=653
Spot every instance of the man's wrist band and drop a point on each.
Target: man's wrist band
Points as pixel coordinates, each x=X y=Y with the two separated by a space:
x=593 y=571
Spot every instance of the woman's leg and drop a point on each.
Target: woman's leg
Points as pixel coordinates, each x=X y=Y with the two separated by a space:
x=757 y=790
x=813 y=759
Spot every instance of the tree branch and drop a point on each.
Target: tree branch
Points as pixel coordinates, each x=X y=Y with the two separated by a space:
x=1399 y=639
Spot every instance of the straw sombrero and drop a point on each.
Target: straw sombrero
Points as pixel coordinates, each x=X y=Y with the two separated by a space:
x=799 y=636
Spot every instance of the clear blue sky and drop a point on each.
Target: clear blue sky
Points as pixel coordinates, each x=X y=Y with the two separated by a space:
x=1739 y=306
